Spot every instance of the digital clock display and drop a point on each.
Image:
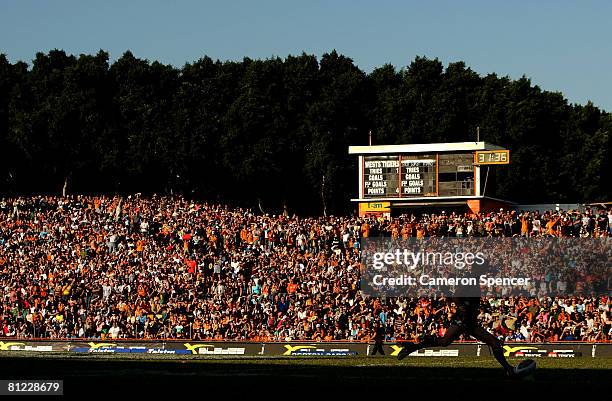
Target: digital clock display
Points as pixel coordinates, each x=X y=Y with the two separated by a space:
x=492 y=157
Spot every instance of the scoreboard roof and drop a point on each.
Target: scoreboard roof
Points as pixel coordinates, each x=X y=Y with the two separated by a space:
x=423 y=148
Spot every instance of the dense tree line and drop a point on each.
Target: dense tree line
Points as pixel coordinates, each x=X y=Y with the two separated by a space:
x=275 y=132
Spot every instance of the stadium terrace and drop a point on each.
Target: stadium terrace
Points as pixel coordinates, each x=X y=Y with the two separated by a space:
x=168 y=267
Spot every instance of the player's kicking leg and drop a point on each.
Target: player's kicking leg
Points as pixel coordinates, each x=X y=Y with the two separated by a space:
x=452 y=333
x=481 y=334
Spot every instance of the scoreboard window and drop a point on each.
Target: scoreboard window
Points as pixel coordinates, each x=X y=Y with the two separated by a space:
x=399 y=176
x=418 y=175
x=456 y=174
x=381 y=176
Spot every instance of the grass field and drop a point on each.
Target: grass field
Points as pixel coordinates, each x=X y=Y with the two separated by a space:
x=168 y=374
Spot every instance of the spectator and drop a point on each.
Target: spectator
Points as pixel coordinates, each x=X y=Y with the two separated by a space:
x=166 y=267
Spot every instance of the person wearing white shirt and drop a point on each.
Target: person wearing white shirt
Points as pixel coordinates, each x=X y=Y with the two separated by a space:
x=114 y=331
x=525 y=331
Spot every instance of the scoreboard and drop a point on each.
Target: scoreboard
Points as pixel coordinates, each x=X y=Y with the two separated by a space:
x=397 y=176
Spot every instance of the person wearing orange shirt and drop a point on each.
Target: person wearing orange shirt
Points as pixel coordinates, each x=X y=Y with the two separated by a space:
x=395 y=233
x=292 y=287
x=420 y=232
x=550 y=226
x=524 y=225
x=365 y=230
x=406 y=231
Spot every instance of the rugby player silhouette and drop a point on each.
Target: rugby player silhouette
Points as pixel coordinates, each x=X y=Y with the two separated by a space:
x=465 y=321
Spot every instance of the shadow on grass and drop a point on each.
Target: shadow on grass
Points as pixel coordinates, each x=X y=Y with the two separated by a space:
x=90 y=376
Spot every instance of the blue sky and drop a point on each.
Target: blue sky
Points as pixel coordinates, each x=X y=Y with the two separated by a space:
x=561 y=45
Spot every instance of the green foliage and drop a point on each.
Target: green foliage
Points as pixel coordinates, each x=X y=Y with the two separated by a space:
x=275 y=132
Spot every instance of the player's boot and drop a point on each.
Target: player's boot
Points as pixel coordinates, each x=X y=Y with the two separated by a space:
x=511 y=374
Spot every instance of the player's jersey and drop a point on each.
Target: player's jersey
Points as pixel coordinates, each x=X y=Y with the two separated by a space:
x=467 y=298
x=467 y=311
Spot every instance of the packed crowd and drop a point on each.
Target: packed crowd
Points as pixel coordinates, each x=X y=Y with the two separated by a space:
x=167 y=267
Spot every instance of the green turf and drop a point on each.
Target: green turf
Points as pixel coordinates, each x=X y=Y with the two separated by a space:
x=310 y=361
x=347 y=374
